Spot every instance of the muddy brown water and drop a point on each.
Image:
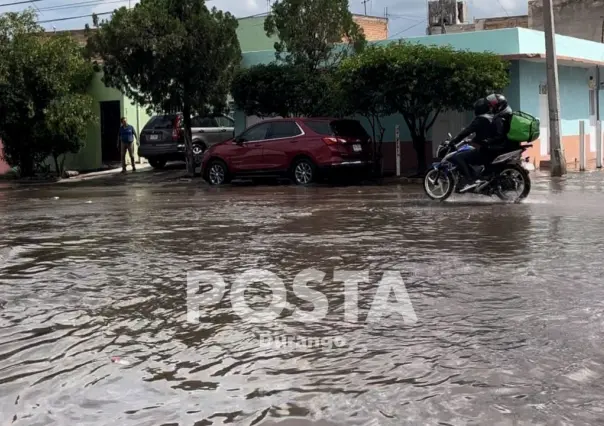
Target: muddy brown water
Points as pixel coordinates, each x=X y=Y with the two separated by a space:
x=508 y=298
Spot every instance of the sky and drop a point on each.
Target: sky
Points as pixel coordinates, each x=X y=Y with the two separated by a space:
x=407 y=17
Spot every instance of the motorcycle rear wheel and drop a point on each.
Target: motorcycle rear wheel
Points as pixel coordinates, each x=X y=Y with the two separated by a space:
x=444 y=181
x=519 y=175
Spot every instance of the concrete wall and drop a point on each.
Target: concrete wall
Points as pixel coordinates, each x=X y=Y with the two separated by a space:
x=575 y=18
x=574 y=108
x=485 y=24
x=90 y=156
x=252 y=36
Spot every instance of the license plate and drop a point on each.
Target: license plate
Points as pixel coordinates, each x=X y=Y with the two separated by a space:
x=357 y=148
x=154 y=137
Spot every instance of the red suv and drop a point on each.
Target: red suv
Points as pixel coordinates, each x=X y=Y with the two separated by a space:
x=299 y=148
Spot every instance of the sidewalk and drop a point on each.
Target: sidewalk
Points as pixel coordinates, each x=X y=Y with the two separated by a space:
x=104 y=173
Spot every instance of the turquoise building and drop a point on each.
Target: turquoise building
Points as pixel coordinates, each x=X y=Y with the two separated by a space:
x=578 y=62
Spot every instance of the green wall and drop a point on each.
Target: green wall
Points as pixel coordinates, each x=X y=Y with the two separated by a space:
x=252 y=36
x=90 y=156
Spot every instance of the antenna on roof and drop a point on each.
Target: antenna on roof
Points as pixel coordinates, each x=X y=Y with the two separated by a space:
x=365 y=4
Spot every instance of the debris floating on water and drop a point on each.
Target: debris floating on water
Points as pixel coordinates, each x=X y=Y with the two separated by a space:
x=55 y=198
x=118 y=360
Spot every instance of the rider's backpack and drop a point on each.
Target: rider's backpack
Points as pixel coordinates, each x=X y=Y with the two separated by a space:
x=523 y=127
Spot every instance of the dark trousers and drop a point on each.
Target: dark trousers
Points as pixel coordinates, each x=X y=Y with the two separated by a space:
x=463 y=160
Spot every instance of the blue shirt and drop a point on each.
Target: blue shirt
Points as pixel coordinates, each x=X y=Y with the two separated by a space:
x=127 y=134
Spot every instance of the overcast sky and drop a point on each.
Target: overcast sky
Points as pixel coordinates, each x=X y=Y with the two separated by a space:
x=407 y=17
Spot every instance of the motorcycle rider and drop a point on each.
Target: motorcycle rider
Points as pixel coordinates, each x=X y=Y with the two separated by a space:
x=491 y=126
x=483 y=129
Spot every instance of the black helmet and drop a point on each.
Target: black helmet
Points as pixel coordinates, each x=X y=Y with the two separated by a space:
x=481 y=106
x=498 y=102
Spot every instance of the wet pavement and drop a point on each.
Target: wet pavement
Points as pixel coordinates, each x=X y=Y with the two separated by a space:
x=509 y=302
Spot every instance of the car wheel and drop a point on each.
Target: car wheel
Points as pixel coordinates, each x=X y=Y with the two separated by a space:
x=303 y=171
x=157 y=163
x=217 y=173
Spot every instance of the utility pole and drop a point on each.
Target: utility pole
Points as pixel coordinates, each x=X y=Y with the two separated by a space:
x=443 y=29
x=558 y=160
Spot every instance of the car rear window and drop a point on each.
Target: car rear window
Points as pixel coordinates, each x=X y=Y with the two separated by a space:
x=343 y=128
x=161 y=122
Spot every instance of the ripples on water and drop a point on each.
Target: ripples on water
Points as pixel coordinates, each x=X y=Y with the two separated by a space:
x=508 y=300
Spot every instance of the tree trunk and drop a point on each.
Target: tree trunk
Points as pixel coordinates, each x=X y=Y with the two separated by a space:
x=186 y=113
x=57 y=166
x=419 y=145
x=62 y=164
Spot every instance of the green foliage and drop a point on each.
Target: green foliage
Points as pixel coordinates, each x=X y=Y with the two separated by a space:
x=363 y=91
x=285 y=90
x=308 y=30
x=40 y=77
x=170 y=55
x=420 y=82
x=166 y=54
x=67 y=118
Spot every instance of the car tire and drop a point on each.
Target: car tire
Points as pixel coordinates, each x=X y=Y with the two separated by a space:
x=157 y=163
x=303 y=171
x=217 y=173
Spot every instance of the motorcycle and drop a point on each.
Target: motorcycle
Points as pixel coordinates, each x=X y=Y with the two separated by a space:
x=504 y=177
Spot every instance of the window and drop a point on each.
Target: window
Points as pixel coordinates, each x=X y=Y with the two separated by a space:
x=284 y=129
x=349 y=128
x=205 y=122
x=320 y=127
x=162 y=122
x=342 y=128
x=256 y=133
x=225 y=121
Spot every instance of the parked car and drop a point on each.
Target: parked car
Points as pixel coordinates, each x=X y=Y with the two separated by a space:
x=298 y=148
x=162 y=138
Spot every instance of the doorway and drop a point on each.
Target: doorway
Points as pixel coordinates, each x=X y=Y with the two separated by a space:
x=110 y=124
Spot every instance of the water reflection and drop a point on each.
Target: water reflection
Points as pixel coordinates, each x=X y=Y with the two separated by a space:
x=507 y=300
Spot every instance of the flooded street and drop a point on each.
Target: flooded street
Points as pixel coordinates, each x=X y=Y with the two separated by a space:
x=509 y=302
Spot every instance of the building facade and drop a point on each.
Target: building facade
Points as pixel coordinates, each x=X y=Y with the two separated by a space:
x=525 y=49
x=575 y=18
x=452 y=15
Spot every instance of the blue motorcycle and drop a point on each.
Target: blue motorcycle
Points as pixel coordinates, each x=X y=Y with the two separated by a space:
x=504 y=177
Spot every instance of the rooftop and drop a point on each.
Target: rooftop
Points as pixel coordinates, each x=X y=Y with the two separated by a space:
x=510 y=43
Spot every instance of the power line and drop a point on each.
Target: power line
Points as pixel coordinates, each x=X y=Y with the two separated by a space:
x=504 y=9
x=72 y=17
x=18 y=2
x=80 y=4
x=408 y=28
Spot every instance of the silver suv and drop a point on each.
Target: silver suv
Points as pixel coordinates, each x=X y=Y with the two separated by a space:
x=162 y=138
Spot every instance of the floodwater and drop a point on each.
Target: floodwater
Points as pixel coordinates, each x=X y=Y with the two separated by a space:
x=509 y=302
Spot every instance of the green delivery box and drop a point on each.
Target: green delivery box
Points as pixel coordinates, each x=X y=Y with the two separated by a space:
x=523 y=127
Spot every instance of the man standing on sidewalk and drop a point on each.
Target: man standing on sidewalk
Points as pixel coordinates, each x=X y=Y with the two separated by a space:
x=125 y=142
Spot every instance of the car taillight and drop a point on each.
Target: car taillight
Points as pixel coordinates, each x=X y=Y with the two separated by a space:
x=333 y=141
x=176 y=129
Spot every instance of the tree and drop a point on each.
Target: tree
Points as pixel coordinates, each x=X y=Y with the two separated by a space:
x=170 y=55
x=363 y=92
x=285 y=90
x=66 y=119
x=309 y=30
x=44 y=109
x=420 y=82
